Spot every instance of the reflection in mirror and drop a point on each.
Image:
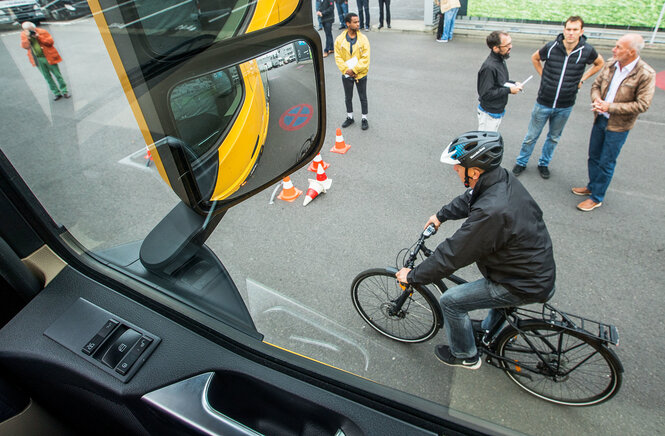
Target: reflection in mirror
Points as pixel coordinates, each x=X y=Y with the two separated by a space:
x=245 y=125
x=174 y=27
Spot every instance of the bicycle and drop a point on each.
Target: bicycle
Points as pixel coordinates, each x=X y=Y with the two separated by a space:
x=554 y=355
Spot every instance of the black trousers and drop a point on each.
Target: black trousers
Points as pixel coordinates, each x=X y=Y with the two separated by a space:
x=330 y=41
x=348 y=93
x=381 y=5
x=363 y=13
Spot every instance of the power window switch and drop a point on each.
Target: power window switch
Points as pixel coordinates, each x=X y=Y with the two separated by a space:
x=119 y=349
x=102 y=334
x=131 y=358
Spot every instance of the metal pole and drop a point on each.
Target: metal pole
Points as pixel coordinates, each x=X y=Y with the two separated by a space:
x=428 y=16
x=655 y=30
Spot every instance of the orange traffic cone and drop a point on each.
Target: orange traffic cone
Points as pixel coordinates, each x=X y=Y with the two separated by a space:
x=316 y=162
x=322 y=178
x=340 y=147
x=289 y=192
x=315 y=188
x=148 y=157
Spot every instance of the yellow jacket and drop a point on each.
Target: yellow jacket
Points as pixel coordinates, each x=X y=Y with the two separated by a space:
x=360 y=50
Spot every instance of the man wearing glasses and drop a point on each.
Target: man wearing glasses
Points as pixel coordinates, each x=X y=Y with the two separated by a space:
x=494 y=86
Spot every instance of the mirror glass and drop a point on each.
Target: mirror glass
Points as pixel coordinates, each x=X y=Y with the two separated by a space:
x=244 y=125
x=173 y=27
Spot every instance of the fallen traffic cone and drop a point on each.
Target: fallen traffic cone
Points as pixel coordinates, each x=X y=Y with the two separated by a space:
x=322 y=178
x=148 y=157
x=340 y=147
x=315 y=188
x=316 y=162
x=289 y=192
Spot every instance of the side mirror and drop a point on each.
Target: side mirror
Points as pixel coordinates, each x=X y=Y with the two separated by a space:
x=228 y=103
x=235 y=130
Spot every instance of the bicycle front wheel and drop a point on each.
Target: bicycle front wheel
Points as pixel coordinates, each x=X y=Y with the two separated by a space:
x=559 y=365
x=374 y=293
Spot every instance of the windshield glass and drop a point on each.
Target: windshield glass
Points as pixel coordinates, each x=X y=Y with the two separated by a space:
x=86 y=158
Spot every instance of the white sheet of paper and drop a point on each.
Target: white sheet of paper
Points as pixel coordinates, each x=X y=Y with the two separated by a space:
x=508 y=84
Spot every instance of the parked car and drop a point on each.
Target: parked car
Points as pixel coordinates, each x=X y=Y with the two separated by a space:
x=61 y=10
x=14 y=12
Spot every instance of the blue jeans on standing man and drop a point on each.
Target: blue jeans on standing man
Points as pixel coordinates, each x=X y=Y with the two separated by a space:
x=604 y=148
x=318 y=4
x=458 y=301
x=342 y=10
x=539 y=116
x=449 y=23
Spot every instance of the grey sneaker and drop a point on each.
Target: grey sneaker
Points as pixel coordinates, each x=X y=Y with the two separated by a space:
x=443 y=353
x=544 y=172
x=518 y=169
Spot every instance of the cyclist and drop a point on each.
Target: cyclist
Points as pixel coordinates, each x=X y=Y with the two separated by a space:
x=504 y=234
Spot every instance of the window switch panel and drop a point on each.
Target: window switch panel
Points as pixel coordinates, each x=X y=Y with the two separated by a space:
x=118 y=348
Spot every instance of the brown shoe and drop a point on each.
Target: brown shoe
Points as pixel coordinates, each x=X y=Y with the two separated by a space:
x=325 y=54
x=588 y=205
x=581 y=191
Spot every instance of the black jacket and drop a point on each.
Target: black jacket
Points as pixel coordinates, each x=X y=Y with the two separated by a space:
x=327 y=9
x=493 y=96
x=504 y=234
x=553 y=91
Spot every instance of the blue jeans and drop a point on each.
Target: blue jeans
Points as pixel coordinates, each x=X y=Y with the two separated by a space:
x=342 y=10
x=604 y=148
x=363 y=13
x=539 y=116
x=458 y=301
x=318 y=4
x=449 y=23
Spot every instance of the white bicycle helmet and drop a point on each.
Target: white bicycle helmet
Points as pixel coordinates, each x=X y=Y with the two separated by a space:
x=482 y=150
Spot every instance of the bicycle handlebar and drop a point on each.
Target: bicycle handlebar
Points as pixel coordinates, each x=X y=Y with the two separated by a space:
x=429 y=231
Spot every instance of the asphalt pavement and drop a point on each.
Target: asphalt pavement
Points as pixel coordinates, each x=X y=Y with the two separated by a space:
x=294 y=264
x=421 y=95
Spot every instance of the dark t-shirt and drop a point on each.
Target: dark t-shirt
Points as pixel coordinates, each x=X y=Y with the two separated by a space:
x=351 y=42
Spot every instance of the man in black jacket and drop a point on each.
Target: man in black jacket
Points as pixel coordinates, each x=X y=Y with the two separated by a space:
x=494 y=86
x=327 y=13
x=504 y=234
x=562 y=75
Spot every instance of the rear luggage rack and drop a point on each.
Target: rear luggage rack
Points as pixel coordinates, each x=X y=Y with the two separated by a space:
x=551 y=315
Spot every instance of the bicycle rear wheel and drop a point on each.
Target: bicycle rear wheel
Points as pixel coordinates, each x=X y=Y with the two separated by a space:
x=373 y=293
x=582 y=371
